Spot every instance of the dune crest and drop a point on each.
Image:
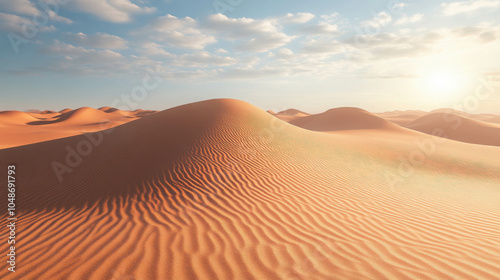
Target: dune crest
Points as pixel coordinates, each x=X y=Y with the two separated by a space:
x=345 y=118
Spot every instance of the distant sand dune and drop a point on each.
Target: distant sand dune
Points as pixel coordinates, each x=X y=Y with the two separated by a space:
x=345 y=118
x=231 y=192
x=290 y=114
x=459 y=128
x=15 y=117
x=20 y=128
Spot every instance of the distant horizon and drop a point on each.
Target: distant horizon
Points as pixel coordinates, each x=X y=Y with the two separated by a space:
x=265 y=109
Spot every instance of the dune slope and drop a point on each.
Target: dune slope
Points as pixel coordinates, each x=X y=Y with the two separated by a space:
x=345 y=118
x=459 y=128
x=223 y=190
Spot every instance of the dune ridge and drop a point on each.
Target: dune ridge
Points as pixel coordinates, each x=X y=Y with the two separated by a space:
x=344 y=118
x=217 y=196
x=459 y=128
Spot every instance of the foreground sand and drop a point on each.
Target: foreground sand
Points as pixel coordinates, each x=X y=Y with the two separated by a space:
x=223 y=190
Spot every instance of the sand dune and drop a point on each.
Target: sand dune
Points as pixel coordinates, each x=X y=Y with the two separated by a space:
x=20 y=128
x=402 y=117
x=345 y=118
x=459 y=128
x=290 y=114
x=231 y=192
x=65 y=111
x=15 y=117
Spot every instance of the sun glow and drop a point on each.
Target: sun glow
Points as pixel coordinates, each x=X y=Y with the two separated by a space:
x=443 y=82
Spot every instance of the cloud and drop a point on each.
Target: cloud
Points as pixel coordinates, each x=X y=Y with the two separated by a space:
x=55 y=17
x=283 y=53
x=155 y=50
x=23 y=7
x=321 y=28
x=12 y=23
x=204 y=59
x=74 y=60
x=469 y=6
x=263 y=35
x=27 y=8
x=81 y=54
x=265 y=42
x=98 y=40
x=177 y=32
x=409 y=19
x=18 y=24
x=382 y=19
x=296 y=18
x=483 y=33
x=118 y=11
x=323 y=47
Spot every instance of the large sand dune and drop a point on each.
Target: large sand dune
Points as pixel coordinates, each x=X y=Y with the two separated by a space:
x=223 y=190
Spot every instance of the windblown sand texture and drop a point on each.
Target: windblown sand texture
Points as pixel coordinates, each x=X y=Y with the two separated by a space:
x=221 y=189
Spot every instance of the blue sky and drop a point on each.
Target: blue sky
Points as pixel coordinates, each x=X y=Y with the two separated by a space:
x=312 y=55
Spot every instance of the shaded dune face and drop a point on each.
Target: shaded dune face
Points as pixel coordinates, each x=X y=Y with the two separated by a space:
x=345 y=118
x=459 y=128
x=223 y=190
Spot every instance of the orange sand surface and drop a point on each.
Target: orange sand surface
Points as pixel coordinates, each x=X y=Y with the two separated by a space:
x=221 y=189
x=21 y=128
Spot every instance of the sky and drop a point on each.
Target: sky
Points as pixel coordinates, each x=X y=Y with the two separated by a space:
x=311 y=55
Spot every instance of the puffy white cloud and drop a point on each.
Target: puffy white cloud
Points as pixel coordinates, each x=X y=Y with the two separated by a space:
x=98 y=40
x=321 y=28
x=296 y=18
x=24 y=7
x=262 y=35
x=112 y=11
x=177 y=32
x=20 y=25
x=12 y=23
x=12 y=9
x=469 y=6
x=155 y=50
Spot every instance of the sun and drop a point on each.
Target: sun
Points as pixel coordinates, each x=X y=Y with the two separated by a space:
x=443 y=82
